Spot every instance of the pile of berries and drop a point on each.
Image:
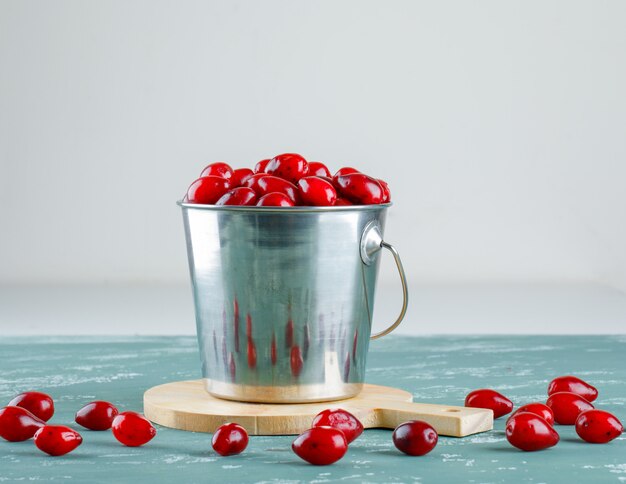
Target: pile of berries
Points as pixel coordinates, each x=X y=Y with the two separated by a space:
x=327 y=440
x=286 y=180
x=531 y=426
x=27 y=414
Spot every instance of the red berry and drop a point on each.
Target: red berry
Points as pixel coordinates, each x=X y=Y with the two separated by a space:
x=327 y=178
x=574 y=385
x=18 y=424
x=218 y=169
x=528 y=431
x=296 y=361
x=342 y=201
x=39 y=404
x=230 y=439
x=318 y=169
x=386 y=192
x=57 y=439
x=289 y=166
x=360 y=189
x=598 y=426
x=346 y=170
x=486 y=398
x=341 y=420
x=275 y=199
x=240 y=177
x=260 y=166
x=238 y=196
x=567 y=406
x=320 y=446
x=207 y=190
x=537 y=408
x=415 y=437
x=271 y=184
x=132 y=429
x=253 y=181
x=96 y=415
x=316 y=191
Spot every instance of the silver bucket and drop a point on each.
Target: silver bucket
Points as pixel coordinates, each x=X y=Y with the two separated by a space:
x=284 y=298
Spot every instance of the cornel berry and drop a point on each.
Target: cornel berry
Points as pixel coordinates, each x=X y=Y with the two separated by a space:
x=341 y=420
x=39 y=404
x=230 y=439
x=96 y=415
x=575 y=385
x=132 y=429
x=528 y=431
x=275 y=199
x=218 y=169
x=598 y=427
x=567 y=406
x=487 y=398
x=57 y=440
x=18 y=424
x=415 y=437
x=537 y=408
x=316 y=191
x=207 y=189
x=318 y=169
x=304 y=183
x=320 y=446
x=289 y=166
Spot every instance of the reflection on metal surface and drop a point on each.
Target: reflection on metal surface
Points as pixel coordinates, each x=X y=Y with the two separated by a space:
x=299 y=280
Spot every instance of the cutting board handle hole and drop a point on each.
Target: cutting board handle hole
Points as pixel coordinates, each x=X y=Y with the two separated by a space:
x=451 y=410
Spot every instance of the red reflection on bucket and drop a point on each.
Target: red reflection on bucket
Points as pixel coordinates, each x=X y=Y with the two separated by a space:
x=236 y=323
x=296 y=361
x=248 y=326
x=289 y=334
x=251 y=353
x=232 y=367
x=307 y=341
x=273 y=350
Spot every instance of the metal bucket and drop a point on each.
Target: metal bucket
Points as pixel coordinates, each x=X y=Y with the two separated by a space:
x=284 y=298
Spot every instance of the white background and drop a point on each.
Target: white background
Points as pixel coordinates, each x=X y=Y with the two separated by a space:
x=500 y=127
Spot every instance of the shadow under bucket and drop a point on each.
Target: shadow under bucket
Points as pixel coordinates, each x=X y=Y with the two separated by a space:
x=284 y=298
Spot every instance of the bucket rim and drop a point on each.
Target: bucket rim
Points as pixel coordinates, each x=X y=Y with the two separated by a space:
x=298 y=209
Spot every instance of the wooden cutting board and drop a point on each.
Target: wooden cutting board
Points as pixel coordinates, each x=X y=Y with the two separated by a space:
x=186 y=405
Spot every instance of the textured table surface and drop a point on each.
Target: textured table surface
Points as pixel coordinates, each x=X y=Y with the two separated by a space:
x=435 y=369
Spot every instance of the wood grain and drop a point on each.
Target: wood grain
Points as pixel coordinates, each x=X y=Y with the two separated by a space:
x=186 y=405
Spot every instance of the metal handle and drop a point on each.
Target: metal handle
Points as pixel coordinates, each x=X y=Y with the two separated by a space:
x=405 y=292
x=371 y=242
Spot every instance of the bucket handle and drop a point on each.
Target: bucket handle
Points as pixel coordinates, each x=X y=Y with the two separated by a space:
x=371 y=243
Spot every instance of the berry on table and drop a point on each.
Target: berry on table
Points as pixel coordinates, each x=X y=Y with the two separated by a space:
x=320 y=445
x=132 y=429
x=230 y=439
x=487 y=398
x=57 y=440
x=415 y=437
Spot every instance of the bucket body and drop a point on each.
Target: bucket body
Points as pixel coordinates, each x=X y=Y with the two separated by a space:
x=283 y=299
